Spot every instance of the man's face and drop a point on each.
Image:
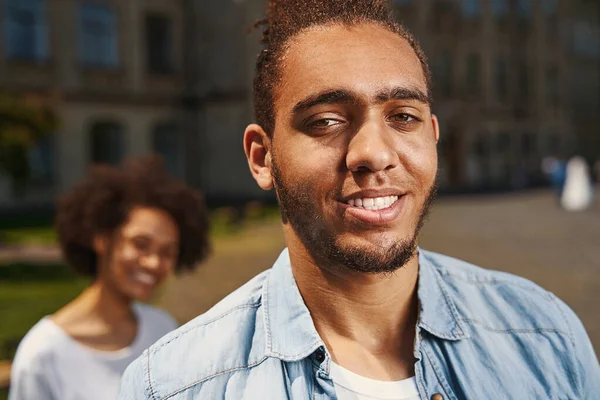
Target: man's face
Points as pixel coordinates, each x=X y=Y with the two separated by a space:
x=353 y=152
x=141 y=254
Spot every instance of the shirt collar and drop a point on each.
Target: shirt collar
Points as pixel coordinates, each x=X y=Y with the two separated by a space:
x=438 y=314
x=291 y=334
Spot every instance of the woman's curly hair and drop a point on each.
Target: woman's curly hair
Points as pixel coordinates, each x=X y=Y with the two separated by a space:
x=285 y=19
x=102 y=203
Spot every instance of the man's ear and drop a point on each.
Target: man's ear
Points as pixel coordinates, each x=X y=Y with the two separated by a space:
x=257 y=147
x=436 y=127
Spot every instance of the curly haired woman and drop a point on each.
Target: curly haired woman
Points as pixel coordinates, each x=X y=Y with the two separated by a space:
x=128 y=229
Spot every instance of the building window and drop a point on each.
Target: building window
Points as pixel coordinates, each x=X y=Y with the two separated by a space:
x=527 y=145
x=523 y=80
x=25 y=30
x=98 y=42
x=553 y=144
x=167 y=142
x=107 y=143
x=471 y=9
x=41 y=160
x=586 y=39
x=549 y=6
x=524 y=8
x=552 y=85
x=502 y=142
x=481 y=146
x=473 y=78
x=159 y=44
x=443 y=15
x=499 y=8
x=443 y=70
x=501 y=78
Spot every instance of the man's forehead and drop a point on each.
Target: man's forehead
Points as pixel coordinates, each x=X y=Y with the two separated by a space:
x=364 y=59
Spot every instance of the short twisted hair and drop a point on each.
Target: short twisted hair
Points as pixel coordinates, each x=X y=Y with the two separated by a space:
x=285 y=19
x=102 y=203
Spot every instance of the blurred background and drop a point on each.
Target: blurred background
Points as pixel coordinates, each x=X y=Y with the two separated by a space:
x=83 y=82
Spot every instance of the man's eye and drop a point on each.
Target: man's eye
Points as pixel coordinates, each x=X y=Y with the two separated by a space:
x=324 y=123
x=405 y=118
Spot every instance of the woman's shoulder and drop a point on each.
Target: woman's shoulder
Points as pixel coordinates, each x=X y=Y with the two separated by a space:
x=38 y=345
x=155 y=319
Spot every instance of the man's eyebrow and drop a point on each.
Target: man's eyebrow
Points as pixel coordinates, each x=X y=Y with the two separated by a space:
x=325 y=97
x=402 y=93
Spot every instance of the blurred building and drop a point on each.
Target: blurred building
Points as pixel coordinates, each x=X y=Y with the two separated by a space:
x=514 y=80
x=132 y=77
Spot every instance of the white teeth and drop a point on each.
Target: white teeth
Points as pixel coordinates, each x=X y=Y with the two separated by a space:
x=145 y=278
x=389 y=201
x=377 y=203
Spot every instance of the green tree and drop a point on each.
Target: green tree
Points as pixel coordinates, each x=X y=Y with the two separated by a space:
x=22 y=124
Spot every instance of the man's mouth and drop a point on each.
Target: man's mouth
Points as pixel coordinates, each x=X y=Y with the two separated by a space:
x=373 y=203
x=373 y=208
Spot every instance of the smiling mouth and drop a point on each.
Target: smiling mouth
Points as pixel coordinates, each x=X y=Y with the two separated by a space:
x=373 y=203
x=145 y=278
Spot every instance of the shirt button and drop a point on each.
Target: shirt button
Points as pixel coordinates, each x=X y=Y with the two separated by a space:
x=320 y=355
x=437 y=396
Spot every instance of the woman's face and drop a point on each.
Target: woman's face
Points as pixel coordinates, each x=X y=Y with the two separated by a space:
x=141 y=254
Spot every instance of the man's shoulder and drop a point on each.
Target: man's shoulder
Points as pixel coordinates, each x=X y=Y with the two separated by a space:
x=228 y=337
x=499 y=300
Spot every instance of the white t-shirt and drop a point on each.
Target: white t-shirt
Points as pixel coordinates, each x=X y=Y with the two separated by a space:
x=50 y=364
x=351 y=386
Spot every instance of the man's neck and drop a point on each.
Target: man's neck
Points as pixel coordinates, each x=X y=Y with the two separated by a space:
x=367 y=321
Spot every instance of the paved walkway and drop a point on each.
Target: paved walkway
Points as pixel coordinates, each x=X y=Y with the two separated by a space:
x=28 y=254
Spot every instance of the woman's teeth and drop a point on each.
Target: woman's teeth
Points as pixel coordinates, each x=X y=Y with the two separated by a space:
x=377 y=203
x=145 y=278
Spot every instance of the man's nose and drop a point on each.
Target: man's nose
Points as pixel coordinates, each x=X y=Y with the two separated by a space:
x=372 y=149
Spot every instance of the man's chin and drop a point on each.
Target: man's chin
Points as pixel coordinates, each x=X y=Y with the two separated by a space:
x=368 y=257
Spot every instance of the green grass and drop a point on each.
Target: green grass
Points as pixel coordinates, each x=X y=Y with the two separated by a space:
x=28 y=293
x=28 y=236
x=3 y=394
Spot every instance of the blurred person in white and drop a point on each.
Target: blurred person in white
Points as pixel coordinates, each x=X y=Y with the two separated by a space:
x=578 y=193
x=129 y=229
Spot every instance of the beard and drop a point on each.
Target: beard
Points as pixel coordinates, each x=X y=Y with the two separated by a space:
x=298 y=208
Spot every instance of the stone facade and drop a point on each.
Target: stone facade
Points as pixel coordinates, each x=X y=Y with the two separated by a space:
x=515 y=80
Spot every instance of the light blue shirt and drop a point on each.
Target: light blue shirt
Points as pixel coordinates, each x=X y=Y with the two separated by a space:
x=481 y=335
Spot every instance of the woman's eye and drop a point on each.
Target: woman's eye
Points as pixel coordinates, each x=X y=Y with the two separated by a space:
x=141 y=244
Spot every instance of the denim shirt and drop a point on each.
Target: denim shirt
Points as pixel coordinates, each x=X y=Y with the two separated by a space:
x=481 y=335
